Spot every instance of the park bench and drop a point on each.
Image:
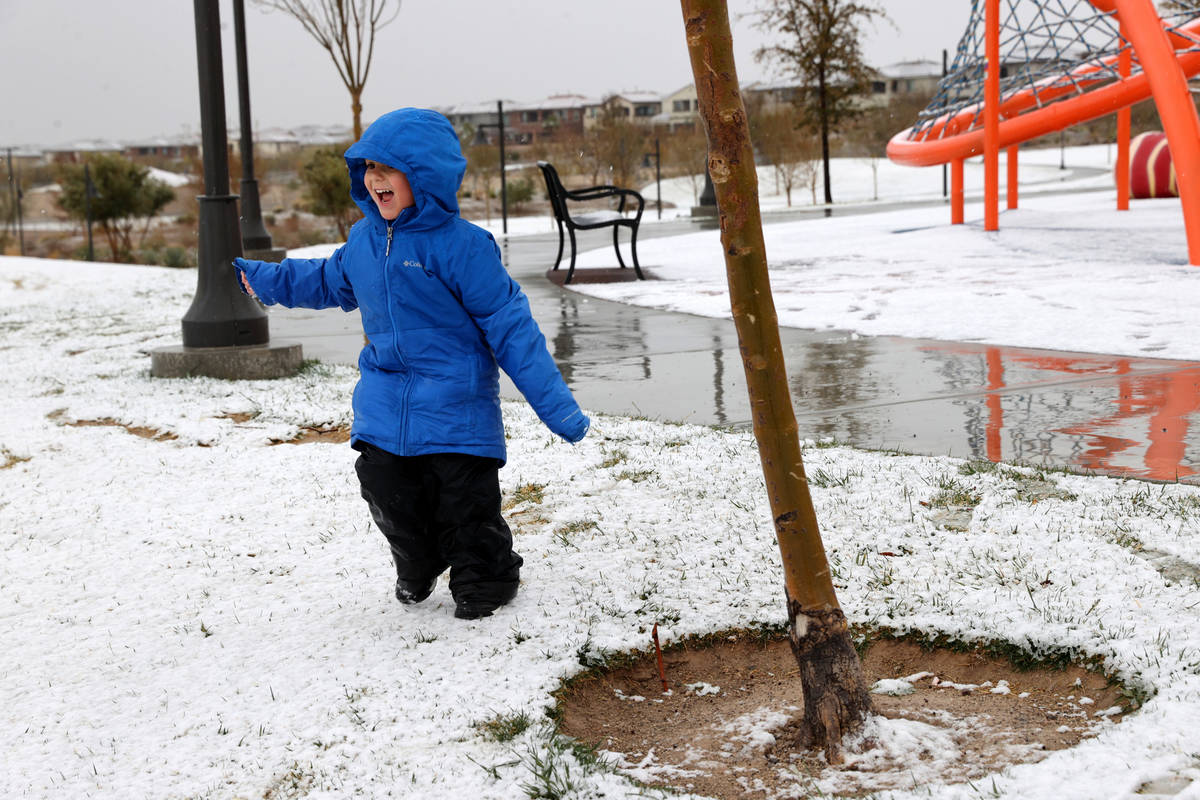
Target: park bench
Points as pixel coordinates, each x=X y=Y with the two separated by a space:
x=561 y=197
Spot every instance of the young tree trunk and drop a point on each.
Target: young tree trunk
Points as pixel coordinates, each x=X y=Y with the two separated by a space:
x=356 y=110
x=114 y=242
x=835 y=694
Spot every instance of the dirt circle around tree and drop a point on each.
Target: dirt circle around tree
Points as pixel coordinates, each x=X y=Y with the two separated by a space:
x=726 y=726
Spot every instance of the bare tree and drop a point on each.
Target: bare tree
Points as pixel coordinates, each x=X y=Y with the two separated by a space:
x=345 y=28
x=781 y=138
x=822 y=48
x=868 y=135
x=685 y=154
x=835 y=694
x=618 y=145
x=484 y=161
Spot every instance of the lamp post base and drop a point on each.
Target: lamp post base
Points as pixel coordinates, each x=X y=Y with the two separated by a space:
x=255 y=362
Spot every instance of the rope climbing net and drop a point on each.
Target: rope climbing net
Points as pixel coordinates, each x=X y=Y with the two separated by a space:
x=1050 y=50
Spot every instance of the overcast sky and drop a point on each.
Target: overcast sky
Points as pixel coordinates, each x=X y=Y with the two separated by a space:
x=76 y=69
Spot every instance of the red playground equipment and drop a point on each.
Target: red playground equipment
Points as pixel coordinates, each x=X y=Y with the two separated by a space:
x=1045 y=65
x=1151 y=171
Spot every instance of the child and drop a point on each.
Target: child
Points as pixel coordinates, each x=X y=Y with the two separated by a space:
x=439 y=311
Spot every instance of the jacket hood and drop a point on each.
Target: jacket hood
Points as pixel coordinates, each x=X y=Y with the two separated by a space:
x=424 y=146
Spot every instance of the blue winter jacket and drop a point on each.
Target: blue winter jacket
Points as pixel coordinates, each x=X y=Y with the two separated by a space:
x=438 y=308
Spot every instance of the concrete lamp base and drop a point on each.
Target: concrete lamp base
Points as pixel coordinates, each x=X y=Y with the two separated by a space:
x=259 y=362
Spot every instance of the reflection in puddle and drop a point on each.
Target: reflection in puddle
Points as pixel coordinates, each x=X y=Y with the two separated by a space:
x=1123 y=424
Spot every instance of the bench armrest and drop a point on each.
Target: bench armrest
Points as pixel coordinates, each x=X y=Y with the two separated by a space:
x=598 y=192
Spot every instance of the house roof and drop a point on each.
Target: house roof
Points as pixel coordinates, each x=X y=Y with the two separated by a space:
x=88 y=146
x=637 y=96
x=912 y=69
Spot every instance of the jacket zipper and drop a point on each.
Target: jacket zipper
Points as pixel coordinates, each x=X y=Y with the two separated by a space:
x=408 y=383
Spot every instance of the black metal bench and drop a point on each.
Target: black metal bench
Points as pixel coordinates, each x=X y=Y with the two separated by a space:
x=591 y=219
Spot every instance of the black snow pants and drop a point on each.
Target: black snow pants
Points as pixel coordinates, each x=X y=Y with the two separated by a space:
x=442 y=510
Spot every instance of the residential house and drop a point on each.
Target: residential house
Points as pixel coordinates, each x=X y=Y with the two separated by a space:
x=638 y=107
x=680 y=109
x=77 y=152
x=482 y=118
x=163 y=147
x=905 y=78
x=554 y=117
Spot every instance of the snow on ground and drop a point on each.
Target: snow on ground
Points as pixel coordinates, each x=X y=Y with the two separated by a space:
x=1066 y=272
x=172 y=179
x=857 y=183
x=867 y=181
x=192 y=612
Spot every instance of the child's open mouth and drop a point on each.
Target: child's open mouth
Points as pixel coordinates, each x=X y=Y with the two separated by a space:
x=384 y=195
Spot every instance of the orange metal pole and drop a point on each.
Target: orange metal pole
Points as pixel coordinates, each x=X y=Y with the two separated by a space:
x=957 y=214
x=991 y=118
x=1010 y=185
x=1124 y=122
x=1168 y=427
x=995 y=404
x=1175 y=107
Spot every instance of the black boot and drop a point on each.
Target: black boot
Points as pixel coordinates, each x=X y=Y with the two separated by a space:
x=412 y=592
x=478 y=607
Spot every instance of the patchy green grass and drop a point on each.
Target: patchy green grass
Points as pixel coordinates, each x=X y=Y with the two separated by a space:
x=614 y=458
x=564 y=533
x=526 y=493
x=635 y=475
x=978 y=467
x=821 y=479
x=504 y=727
x=555 y=764
x=315 y=368
x=952 y=494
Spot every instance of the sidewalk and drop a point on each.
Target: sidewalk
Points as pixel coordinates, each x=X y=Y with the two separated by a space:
x=1136 y=417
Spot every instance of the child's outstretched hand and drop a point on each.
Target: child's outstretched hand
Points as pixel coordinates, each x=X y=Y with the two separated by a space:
x=582 y=431
x=242 y=277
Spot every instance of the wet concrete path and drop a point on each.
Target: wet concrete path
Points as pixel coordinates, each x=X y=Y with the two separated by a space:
x=1114 y=415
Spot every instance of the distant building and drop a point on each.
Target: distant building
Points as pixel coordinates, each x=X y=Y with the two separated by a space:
x=22 y=156
x=77 y=152
x=680 y=108
x=637 y=106
x=555 y=117
x=525 y=123
x=773 y=94
x=306 y=136
x=267 y=143
x=163 y=147
x=905 y=78
x=478 y=117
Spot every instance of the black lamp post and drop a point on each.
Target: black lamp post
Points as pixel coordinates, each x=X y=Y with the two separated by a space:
x=503 y=178
x=225 y=331
x=708 y=199
x=255 y=238
x=14 y=190
x=220 y=315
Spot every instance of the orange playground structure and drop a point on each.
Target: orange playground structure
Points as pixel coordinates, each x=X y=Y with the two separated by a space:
x=1059 y=68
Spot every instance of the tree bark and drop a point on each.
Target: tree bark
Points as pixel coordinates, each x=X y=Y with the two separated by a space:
x=356 y=110
x=835 y=694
